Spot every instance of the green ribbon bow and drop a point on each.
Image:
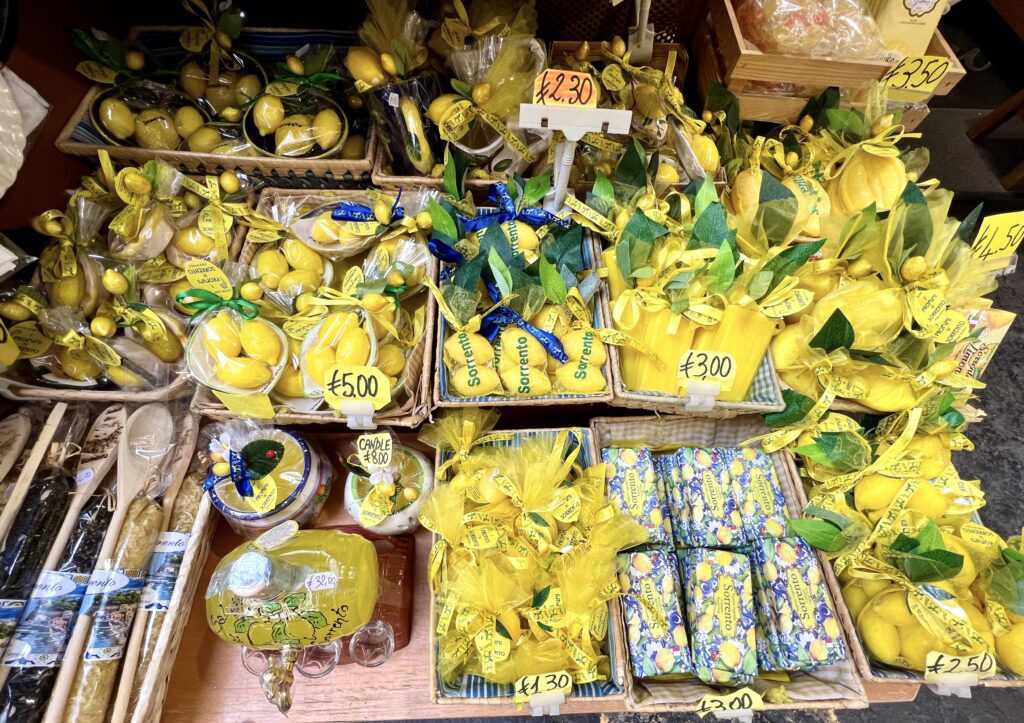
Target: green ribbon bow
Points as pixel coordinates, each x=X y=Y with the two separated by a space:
x=201 y=300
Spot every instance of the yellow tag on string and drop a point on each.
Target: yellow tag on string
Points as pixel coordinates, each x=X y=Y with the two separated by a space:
x=9 y=351
x=257 y=406
x=204 y=275
x=264 y=495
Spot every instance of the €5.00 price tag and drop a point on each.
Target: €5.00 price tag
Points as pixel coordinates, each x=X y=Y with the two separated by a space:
x=742 y=699
x=919 y=74
x=350 y=383
x=707 y=366
x=936 y=665
x=564 y=87
x=545 y=683
x=375 y=450
x=999 y=236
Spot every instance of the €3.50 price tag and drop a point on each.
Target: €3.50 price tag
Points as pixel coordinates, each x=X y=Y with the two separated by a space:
x=545 y=683
x=999 y=236
x=936 y=665
x=565 y=87
x=707 y=366
x=919 y=74
x=742 y=699
x=350 y=383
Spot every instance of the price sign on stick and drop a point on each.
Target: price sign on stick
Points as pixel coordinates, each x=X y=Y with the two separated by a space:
x=349 y=383
x=707 y=366
x=742 y=699
x=536 y=684
x=565 y=87
x=999 y=236
x=920 y=74
x=983 y=665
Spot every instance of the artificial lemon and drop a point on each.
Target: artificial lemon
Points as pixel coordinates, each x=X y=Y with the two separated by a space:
x=187 y=120
x=327 y=129
x=203 y=140
x=193 y=242
x=259 y=341
x=270 y=265
x=221 y=336
x=390 y=359
x=880 y=637
x=117 y=118
x=294 y=137
x=302 y=257
x=154 y=130
x=243 y=372
x=299 y=282
x=268 y=114
x=353 y=347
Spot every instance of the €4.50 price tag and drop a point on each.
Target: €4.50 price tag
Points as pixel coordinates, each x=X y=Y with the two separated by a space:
x=742 y=699
x=936 y=665
x=919 y=74
x=999 y=236
x=565 y=87
x=350 y=383
x=707 y=366
x=545 y=683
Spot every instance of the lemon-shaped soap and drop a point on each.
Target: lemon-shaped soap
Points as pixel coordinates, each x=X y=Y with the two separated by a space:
x=289 y=384
x=390 y=359
x=193 y=242
x=77 y=364
x=521 y=236
x=326 y=230
x=294 y=137
x=327 y=129
x=260 y=341
x=580 y=378
x=270 y=265
x=220 y=336
x=353 y=347
x=154 y=129
x=586 y=346
x=463 y=348
x=243 y=372
x=333 y=327
x=301 y=257
x=299 y=282
x=473 y=381
x=521 y=348
x=187 y=120
x=117 y=118
x=316 y=362
x=526 y=382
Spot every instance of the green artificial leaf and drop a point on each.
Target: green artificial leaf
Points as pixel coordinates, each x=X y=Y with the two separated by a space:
x=492 y=237
x=711 y=228
x=456 y=166
x=776 y=211
x=652 y=164
x=788 y=262
x=929 y=537
x=552 y=281
x=760 y=284
x=565 y=248
x=462 y=88
x=969 y=226
x=622 y=260
x=443 y=223
x=846 y=451
x=848 y=122
x=231 y=23
x=641 y=228
x=722 y=270
x=916 y=160
x=720 y=98
x=536 y=189
x=262 y=456
x=835 y=518
x=817 y=108
x=813 y=452
x=680 y=280
x=467 y=275
x=537 y=519
x=917 y=226
x=541 y=596
x=632 y=168
x=644 y=272
x=932 y=566
x=461 y=301
x=706 y=195
x=603 y=188
x=797 y=407
x=836 y=333
x=502 y=630
x=500 y=272
x=819 y=534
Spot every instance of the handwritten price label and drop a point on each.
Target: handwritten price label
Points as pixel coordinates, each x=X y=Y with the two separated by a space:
x=742 y=699
x=936 y=665
x=920 y=74
x=321 y=581
x=707 y=366
x=8 y=347
x=349 y=383
x=375 y=450
x=530 y=685
x=999 y=236
x=564 y=87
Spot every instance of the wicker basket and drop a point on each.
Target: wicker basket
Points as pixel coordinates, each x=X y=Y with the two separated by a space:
x=833 y=687
x=480 y=692
x=411 y=413
x=444 y=398
x=80 y=138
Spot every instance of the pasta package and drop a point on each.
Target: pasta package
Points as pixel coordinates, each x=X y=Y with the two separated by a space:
x=720 y=613
x=636 y=490
x=715 y=518
x=658 y=644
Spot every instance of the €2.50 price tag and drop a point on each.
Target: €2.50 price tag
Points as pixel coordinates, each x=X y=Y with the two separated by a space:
x=349 y=383
x=999 y=236
x=530 y=685
x=742 y=699
x=918 y=74
x=565 y=87
x=936 y=665
x=707 y=366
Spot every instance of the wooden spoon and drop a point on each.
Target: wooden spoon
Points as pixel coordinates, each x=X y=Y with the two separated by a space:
x=28 y=471
x=14 y=433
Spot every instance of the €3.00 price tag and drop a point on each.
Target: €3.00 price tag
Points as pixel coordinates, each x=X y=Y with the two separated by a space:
x=999 y=236
x=742 y=699
x=565 y=87
x=918 y=74
x=707 y=366
x=936 y=665
x=350 y=383
x=530 y=685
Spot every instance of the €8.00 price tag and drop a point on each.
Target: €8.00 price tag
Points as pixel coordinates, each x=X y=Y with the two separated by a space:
x=545 y=683
x=375 y=450
x=742 y=699
x=936 y=665
x=920 y=74
x=565 y=87
x=350 y=383
x=707 y=366
x=999 y=236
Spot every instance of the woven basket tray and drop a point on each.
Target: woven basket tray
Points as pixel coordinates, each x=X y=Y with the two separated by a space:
x=409 y=414
x=268 y=45
x=833 y=687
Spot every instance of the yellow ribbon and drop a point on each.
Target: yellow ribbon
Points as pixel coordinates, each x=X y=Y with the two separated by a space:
x=61 y=262
x=882 y=144
x=470 y=437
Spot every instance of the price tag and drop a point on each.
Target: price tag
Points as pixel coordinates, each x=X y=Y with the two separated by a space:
x=920 y=74
x=349 y=383
x=936 y=665
x=375 y=450
x=528 y=685
x=707 y=366
x=8 y=348
x=999 y=236
x=564 y=87
x=321 y=581
x=740 y=700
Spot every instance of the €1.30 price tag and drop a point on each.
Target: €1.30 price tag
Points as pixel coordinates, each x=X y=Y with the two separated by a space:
x=999 y=236
x=936 y=665
x=565 y=87
x=350 y=383
x=530 y=685
x=920 y=74
x=707 y=366
x=742 y=699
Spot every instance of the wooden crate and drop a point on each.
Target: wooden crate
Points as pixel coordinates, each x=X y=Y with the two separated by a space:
x=80 y=138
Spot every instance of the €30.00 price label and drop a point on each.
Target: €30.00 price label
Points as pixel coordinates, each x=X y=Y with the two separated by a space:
x=530 y=685
x=350 y=383
x=936 y=665
x=742 y=699
x=707 y=366
x=565 y=87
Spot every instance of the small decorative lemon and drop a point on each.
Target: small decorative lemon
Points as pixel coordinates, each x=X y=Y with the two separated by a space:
x=115 y=282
